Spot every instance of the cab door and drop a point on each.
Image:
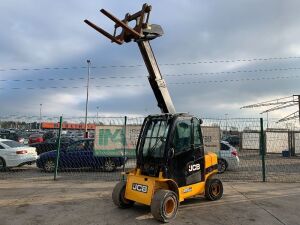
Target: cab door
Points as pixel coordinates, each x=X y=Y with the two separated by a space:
x=187 y=164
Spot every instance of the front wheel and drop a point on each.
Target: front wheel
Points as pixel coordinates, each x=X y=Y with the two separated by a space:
x=109 y=165
x=49 y=166
x=118 y=196
x=213 y=189
x=164 y=205
x=2 y=165
x=222 y=165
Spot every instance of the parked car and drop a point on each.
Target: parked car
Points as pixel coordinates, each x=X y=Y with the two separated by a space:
x=227 y=157
x=11 y=135
x=79 y=154
x=35 y=138
x=14 y=154
x=51 y=144
x=49 y=135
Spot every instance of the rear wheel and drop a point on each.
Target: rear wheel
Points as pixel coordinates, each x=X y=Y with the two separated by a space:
x=213 y=189
x=164 y=205
x=109 y=165
x=2 y=164
x=118 y=196
x=222 y=165
x=49 y=166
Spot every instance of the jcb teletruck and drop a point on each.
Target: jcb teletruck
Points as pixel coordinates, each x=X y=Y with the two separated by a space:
x=171 y=164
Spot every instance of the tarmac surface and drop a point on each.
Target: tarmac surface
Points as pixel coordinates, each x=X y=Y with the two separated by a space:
x=30 y=202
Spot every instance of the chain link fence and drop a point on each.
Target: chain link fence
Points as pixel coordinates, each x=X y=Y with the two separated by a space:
x=245 y=153
x=242 y=161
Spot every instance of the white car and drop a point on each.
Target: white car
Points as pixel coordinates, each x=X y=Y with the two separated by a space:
x=227 y=157
x=14 y=154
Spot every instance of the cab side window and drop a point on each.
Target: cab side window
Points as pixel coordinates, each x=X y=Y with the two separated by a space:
x=182 y=136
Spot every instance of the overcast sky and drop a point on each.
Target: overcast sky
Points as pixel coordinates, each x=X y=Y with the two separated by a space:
x=44 y=45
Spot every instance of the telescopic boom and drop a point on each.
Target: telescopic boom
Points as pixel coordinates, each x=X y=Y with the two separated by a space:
x=141 y=33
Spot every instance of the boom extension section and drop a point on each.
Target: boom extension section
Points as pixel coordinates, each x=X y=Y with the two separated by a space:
x=141 y=33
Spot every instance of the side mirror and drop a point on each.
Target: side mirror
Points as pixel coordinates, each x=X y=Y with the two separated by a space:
x=171 y=153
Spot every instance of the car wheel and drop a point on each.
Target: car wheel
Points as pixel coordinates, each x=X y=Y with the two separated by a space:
x=49 y=166
x=222 y=165
x=2 y=164
x=109 y=165
x=213 y=189
x=118 y=196
x=164 y=205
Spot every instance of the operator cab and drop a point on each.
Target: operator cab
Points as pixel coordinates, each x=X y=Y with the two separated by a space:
x=172 y=144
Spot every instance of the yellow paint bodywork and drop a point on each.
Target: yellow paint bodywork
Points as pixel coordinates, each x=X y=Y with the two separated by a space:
x=155 y=183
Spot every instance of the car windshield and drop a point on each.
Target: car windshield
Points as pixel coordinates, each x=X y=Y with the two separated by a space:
x=225 y=146
x=35 y=135
x=155 y=138
x=51 y=140
x=12 y=144
x=84 y=145
x=54 y=140
x=73 y=145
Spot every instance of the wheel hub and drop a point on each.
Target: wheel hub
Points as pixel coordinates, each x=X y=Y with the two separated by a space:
x=215 y=189
x=169 y=206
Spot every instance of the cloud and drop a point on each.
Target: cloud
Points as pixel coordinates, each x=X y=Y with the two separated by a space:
x=52 y=34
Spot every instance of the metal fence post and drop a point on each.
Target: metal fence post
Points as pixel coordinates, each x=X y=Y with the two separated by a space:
x=262 y=149
x=291 y=142
x=58 y=147
x=124 y=147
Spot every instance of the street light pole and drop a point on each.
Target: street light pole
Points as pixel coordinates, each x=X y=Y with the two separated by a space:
x=267 y=120
x=40 y=116
x=97 y=113
x=87 y=99
x=226 y=124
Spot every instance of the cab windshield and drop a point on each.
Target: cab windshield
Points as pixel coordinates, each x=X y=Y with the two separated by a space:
x=155 y=139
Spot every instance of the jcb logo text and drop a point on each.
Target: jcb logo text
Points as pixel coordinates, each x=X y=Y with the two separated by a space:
x=140 y=188
x=194 y=167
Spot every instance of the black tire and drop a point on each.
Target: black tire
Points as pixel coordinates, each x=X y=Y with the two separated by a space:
x=164 y=205
x=109 y=165
x=213 y=189
x=2 y=164
x=118 y=196
x=49 y=166
x=222 y=165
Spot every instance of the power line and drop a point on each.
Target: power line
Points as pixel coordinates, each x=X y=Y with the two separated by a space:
x=170 y=75
x=71 y=79
x=239 y=80
x=176 y=83
x=45 y=68
x=235 y=72
x=141 y=65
